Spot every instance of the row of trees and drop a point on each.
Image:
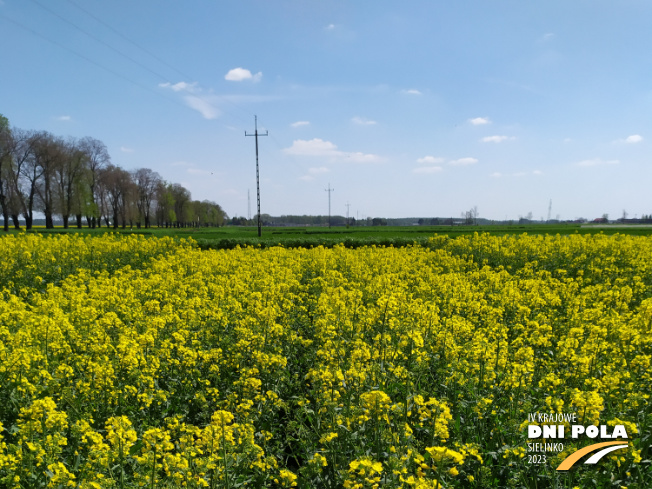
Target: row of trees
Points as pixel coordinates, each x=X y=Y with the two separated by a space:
x=75 y=179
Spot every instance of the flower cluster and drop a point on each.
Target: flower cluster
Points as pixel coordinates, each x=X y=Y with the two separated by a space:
x=129 y=362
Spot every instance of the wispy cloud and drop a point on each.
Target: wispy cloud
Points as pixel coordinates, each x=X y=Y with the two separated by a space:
x=516 y=174
x=180 y=87
x=241 y=74
x=430 y=160
x=463 y=161
x=411 y=91
x=320 y=148
x=548 y=36
x=597 y=162
x=300 y=123
x=124 y=149
x=206 y=106
x=633 y=139
x=330 y=27
x=427 y=169
x=312 y=172
x=497 y=139
x=362 y=121
x=479 y=121
x=196 y=98
x=63 y=118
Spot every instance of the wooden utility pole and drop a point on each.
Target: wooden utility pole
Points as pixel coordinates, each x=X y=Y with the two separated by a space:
x=257 y=174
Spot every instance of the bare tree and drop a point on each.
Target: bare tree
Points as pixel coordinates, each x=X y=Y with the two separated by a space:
x=147 y=183
x=97 y=159
x=24 y=173
x=67 y=178
x=165 y=214
x=116 y=184
x=5 y=162
x=49 y=156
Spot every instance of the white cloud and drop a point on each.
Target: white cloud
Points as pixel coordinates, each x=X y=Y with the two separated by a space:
x=412 y=91
x=313 y=147
x=321 y=169
x=362 y=121
x=427 y=169
x=240 y=74
x=515 y=174
x=479 y=121
x=300 y=123
x=634 y=138
x=429 y=160
x=549 y=36
x=497 y=139
x=597 y=162
x=463 y=161
x=181 y=86
x=124 y=149
x=319 y=147
x=206 y=106
x=64 y=118
x=330 y=27
x=195 y=98
x=307 y=178
x=358 y=157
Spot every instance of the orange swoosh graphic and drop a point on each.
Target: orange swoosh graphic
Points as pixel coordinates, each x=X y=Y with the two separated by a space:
x=571 y=459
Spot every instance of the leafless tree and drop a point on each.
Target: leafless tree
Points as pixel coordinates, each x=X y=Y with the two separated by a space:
x=147 y=183
x=24 y=173
x=5 y=162
x=49 y=156
x=97 y=159
x=115 y=186
x=68 y=181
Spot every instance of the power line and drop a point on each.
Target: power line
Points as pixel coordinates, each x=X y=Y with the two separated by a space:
x=118 y=33
x=136 y=62
x=86 y=58
x=185 y=75
x=99 y=40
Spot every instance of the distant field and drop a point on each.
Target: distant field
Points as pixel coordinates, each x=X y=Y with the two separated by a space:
x=231 y=236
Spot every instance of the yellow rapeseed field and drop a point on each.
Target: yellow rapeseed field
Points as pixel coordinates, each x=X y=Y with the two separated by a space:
x=131 y=362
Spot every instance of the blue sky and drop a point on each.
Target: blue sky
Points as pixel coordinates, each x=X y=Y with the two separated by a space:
x=415 y=108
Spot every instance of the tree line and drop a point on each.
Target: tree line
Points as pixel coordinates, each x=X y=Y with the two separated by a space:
x=74 y=179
